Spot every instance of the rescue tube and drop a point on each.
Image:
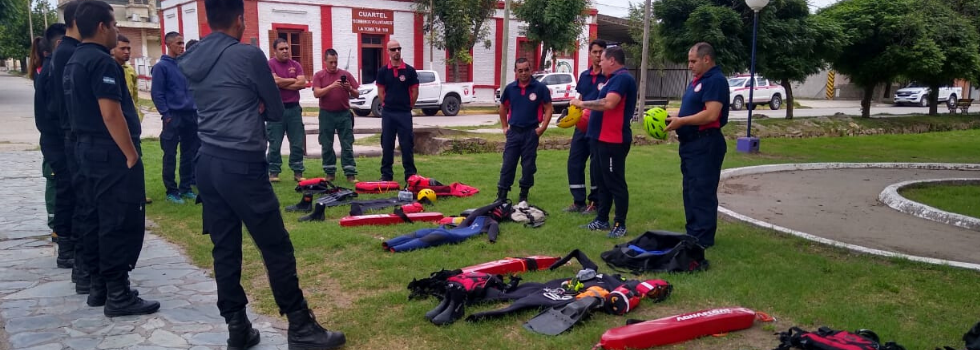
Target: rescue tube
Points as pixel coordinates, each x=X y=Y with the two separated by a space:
x=376 y=186
x=513 y=265
x=677 y=328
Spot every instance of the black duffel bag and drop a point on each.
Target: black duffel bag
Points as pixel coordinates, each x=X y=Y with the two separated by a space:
x=657 y=251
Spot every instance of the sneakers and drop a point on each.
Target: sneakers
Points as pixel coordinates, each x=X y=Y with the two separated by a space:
x=175 y=199
x=617 y=231
x=191 y=196
x=352 y=179
x=149 y=200
x=597 y=225
x=575 y=208
x=298 y=177
x=589 y=209
x=273 y=177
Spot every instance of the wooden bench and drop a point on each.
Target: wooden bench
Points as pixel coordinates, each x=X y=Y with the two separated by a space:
x=963 y=105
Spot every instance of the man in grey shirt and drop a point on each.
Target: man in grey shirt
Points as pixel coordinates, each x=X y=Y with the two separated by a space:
x=236 y=94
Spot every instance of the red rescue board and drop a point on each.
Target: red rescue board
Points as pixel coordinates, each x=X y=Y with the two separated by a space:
x=388 y=219
x=677 y=328
x=513 y=265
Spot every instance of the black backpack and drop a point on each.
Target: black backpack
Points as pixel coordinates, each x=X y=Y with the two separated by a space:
x=657 y=251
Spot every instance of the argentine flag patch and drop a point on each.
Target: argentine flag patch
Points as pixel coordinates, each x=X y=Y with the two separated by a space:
x=109 y=80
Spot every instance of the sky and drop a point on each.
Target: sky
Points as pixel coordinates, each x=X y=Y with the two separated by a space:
x=620 y=8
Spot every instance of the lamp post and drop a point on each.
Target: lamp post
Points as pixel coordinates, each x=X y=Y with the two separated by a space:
x=749 y=144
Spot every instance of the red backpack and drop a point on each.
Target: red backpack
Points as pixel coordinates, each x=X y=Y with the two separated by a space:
x=829 y=339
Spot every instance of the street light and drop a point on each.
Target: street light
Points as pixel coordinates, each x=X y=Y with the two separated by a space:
x=749 y=144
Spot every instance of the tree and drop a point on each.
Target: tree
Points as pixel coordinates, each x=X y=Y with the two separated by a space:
x=457 y=25
x=634 y=50
x=684 y=23
x=947 y=49
x=15 y=40
x=879 y=42
x=556 y=24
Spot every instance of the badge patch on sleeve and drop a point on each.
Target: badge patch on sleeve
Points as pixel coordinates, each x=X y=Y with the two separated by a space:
x=109 y=80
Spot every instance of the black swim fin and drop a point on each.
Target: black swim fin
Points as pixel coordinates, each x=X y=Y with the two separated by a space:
x=456 y=307
x=558 y=319
x=305 y=204
x=316 y=215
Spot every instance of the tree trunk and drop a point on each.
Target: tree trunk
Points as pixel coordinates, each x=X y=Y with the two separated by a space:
x=933 y=99
x=456 y=71
x=789 y=98
x=869 y=92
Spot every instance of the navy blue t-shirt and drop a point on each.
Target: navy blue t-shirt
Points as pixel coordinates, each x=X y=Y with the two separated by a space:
x=710 y=86
x=91 y=74
x=397 y=82
x=613 y=126
x=525 y=104
x=589 y=84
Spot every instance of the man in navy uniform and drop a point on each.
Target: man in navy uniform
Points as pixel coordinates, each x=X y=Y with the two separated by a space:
x=704 y=110
x=236 y=94
x=610 y=136
x=398 y=89
x=75 y=199
x=589 y=83
x=107 y=129
x=525 y=111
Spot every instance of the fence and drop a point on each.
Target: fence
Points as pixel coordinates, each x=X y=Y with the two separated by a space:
x=669 y=81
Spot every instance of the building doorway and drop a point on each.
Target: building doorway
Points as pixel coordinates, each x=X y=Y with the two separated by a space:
x=372 y=56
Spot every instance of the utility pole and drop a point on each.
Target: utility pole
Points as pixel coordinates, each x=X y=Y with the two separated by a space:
x=432 y=35
x=505 y=46
x=30 y=21
x=644 y=60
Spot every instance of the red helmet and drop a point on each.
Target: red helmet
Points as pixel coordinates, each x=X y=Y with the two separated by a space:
x=583 y=122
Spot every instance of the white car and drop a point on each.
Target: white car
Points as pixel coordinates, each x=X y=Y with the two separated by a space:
x=561 y=85
x=434 y=96
x=766 y=92
x=918 y=94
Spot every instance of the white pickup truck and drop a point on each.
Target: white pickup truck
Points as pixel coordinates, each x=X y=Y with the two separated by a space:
x=766 y=92
x=918 y=94
x=434 y=95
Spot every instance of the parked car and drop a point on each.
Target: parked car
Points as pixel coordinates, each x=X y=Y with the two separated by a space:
x=918 y=94
x=766 y=92
x=561 y=85
x=434 y=96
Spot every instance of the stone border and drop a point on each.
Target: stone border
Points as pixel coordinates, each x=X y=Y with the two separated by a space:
x=762 y=169
x=893 y=199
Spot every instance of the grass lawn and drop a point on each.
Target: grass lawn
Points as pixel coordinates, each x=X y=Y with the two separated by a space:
x=960 y=199
x=356 y=287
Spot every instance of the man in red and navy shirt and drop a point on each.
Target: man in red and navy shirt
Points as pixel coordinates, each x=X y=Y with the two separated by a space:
x=398 y=89
x=589 y=83
x=610 y=137
x=525 y=111
x=704 y=110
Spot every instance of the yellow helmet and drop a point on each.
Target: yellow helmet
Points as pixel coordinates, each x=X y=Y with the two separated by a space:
x=428 y=194
x=569 y=117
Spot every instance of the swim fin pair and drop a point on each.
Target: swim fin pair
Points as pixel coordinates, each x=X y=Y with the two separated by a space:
x=558 y=319
x=452 y=307
x=328 y=200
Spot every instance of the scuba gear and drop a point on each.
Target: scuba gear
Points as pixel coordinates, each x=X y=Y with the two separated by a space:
x=305 y=204
x=677 y=328
x=435 y=283
x=569 y=117
x=430 y=237
x=654 y=122
x=336 y=198
x=427 y=194
x=556 y=320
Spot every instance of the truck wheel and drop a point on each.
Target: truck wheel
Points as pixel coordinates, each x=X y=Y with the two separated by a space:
x=376 y=108
x=775 y=102
x=450 y=106
x=430 y=111
x=738 y=103
x=924 y=101
x=951 y=101
x=361 y=112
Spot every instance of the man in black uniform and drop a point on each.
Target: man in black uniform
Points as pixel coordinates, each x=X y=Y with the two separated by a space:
x=107 y=129
x=82 y=210
x=398 y=89
x=236 y=94
x=53 y=148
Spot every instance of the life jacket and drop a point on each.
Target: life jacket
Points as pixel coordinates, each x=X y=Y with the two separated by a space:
x=829 y=339
x=417 y=183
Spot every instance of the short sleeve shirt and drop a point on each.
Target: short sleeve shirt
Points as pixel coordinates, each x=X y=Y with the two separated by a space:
x=525 y=103
x=613 y=126
x=289 y=69
x=397 y=82
x=337 y=99
x=90 y=75
x=589 y=84
x=710 y=86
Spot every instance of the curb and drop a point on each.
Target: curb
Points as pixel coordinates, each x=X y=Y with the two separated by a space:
x=762 y=169
x=893 y=199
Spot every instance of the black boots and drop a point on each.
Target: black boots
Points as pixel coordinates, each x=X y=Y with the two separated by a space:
x=452 y=307
x=502 y=194
x=241 y=335
x=81 y=278
x=121 y=301
x=305 y=204
x=66 y=253
x=97 y=291
x=523 y=195
x=305 y=333
x=316 y=215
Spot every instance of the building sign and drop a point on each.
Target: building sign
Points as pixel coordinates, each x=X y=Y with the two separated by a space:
x=371 y=21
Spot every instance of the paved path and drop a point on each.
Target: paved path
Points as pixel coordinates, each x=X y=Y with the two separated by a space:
x=843 y=205
x=39 y=309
